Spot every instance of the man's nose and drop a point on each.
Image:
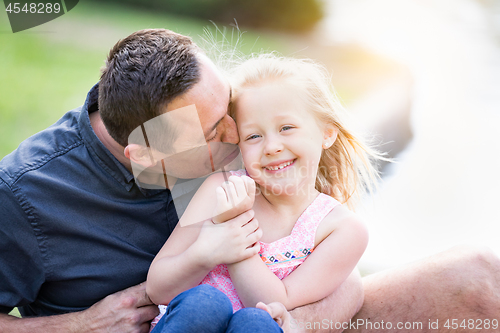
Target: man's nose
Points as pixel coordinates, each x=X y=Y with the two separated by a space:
x=229 y=130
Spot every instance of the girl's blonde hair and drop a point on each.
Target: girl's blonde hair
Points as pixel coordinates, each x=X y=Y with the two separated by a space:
x=345 y=169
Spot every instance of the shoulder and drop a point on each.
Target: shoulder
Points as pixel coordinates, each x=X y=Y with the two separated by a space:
x=42 y=147
x=203 y=202
x=215 y=180
x=340 y=218
x=207 y=189
x=10 y=202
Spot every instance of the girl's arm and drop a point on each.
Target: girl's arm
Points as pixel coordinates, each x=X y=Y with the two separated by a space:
x=193 y=249
x=317 y=277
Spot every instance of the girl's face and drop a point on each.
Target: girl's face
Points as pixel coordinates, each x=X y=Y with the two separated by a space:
x=280 y=140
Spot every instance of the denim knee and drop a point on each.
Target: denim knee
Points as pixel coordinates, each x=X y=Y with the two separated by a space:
x=252 y=320
x=205 y=299
x=200 y=309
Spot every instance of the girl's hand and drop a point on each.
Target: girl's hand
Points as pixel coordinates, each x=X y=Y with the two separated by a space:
x=234 y=197
x=233 y=241
x=279 y=313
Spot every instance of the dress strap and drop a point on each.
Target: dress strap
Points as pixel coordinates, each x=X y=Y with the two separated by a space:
x=308 y=222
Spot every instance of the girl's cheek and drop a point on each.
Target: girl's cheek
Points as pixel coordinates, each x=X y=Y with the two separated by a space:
x=247 y=154
x=253 y=169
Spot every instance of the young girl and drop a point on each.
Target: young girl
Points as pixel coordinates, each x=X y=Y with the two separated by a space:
x=304 y=163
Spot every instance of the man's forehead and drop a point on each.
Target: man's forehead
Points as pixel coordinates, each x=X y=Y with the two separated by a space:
x=211 y=96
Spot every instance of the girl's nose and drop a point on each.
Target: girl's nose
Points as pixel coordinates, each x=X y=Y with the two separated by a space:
x=273 y=146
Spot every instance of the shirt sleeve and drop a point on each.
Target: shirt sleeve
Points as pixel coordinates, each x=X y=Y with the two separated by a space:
x=21 y=265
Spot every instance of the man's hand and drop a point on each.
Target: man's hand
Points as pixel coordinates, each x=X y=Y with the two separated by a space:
x=234 y=197
x=279 y=313
x=127 y=311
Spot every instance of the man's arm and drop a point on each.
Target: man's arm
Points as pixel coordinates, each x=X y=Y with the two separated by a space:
x=60 y=323
x=129 y=310
x=462 y=283
x=339 y=307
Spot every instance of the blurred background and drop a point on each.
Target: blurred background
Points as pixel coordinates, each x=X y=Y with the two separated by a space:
x=421 y=78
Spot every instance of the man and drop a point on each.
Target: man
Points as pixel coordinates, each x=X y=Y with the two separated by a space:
x=79 y=232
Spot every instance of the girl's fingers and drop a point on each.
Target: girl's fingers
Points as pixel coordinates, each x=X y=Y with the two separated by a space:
x=252 y=250
x=239 y=186
x=263 y=306
x=249 y=186
x=251 y=226
x=230 y=193
x=275 y=309
x=255 y=237
x=221 y=196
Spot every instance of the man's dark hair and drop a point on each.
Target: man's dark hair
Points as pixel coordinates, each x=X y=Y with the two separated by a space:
x=143 y=73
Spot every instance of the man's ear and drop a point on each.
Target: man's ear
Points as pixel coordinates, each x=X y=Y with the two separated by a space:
x=139 y=154
x=329 y=136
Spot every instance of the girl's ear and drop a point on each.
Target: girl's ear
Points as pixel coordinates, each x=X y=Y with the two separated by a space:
x=139 y=155
x=329 y=136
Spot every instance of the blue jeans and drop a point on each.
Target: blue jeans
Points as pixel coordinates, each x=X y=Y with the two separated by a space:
x=207 y=309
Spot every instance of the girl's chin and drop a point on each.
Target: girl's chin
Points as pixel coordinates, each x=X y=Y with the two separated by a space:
x=279 y=189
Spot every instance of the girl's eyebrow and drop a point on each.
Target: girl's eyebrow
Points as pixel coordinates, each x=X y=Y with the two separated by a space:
x=291 y=118
x=287 y=116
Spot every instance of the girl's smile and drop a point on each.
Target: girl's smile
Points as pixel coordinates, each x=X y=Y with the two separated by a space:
x=278 y=166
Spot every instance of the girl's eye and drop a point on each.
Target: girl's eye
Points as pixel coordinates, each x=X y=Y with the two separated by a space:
x=253 y=136
x=286 y=128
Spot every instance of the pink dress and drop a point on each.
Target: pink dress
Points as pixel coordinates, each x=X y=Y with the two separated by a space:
x=284 y=255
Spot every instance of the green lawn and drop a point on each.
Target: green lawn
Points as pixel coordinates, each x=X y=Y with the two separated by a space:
x=47 y=70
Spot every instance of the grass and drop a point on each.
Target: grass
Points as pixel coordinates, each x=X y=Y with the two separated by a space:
x=48 y=70
x=39 y=82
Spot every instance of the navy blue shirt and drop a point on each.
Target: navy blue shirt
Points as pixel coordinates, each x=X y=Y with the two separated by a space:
x=74 y=225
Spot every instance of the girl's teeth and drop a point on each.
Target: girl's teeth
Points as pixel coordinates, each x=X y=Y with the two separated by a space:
x=279 y=167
